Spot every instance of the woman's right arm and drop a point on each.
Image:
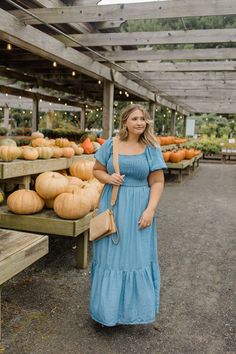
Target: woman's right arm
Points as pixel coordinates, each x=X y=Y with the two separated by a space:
x=100 y=172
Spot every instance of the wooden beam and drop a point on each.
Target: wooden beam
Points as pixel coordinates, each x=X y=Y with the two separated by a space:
x=27 y=104
x=213 y=108
x=175 y=54
x=35 y=41
x=220 y=84
x=183 y=66
x=200 y=93
x=226 y=35
x=188 y=76
x=108 y=102
x=123 y=12
x=22 y=93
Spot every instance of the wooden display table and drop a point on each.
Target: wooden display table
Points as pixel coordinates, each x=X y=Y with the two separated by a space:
x=18 y=250
x=20 y=171
x=226 y=156
x=184 y=165
x=47 y=222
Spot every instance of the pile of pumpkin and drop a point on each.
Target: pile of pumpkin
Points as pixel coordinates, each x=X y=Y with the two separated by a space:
x=179 y=155
x=169 y=140
x=70 y=196
x=43 y=148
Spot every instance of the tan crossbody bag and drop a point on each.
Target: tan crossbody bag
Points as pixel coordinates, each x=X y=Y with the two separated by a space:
x=104 y=223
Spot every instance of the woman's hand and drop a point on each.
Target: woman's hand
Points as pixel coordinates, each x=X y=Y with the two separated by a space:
x=116 y=179
x=146 y=219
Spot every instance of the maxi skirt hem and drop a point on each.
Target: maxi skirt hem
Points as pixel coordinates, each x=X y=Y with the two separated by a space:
x=135 y=322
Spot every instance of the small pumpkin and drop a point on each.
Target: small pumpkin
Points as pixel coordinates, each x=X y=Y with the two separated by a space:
x=38 y=142
x=49 y=184
x=77 y=149
x=30 y=153
x=57 y=151
x=175 y=156
x=101 y=141
x=2 y=196
x=166 y=155
x=62 y=142
x=45 y=152
x=37 y=134
x=25 y=201
x=68 y=152
x=87 y=145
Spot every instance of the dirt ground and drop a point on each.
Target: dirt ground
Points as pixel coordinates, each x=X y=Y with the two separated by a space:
x=45 y=308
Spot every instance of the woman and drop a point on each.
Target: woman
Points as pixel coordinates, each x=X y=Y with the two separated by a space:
x=125 y=279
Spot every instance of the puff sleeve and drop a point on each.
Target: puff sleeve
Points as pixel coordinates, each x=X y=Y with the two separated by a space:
x=105 y=151
x=155 y=158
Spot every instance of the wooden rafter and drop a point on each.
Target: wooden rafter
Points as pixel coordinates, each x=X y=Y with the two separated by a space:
x=183 y=66
x=175 y=54
x=154 y=10
x=226 y=35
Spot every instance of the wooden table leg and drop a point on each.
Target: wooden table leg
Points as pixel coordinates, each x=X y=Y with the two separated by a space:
x=0 y=313
x=180 y=176
x=82 y=250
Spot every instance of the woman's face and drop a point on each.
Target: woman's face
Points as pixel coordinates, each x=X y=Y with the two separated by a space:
x=136 y=123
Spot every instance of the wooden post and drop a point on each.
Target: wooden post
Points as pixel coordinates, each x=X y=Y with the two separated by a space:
x=184 y=125
x=108 y=99
x=6 y=116
x=82 y=250
x=152 y=110
x=82 y=118
x=35 y=115
x=173 y=122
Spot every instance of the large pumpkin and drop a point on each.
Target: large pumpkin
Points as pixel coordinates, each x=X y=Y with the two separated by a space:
x=175 y=156
x=9 y=153
x=82 y=168
x=49 y=184
x=45 y=152
x=91 y=193
x=25 y=201
x=71 y=205
x=8 y=142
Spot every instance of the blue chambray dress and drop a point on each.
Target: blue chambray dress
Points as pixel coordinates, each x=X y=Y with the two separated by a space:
x=125 y=278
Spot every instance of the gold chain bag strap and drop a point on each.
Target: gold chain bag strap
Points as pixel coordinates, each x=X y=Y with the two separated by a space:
x=104 y=224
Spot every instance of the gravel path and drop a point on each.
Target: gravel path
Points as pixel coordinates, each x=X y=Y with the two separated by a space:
x=44 y=308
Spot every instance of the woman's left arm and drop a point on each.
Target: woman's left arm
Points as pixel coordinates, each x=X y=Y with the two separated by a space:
x=156 y=182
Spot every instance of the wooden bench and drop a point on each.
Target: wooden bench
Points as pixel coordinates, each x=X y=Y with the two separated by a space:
x=18 y=250
x=47 y=222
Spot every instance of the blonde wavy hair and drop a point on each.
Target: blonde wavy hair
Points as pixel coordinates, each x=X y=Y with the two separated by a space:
x=147 y=137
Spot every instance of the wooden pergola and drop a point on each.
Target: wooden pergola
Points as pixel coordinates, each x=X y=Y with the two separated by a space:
x=74 y=51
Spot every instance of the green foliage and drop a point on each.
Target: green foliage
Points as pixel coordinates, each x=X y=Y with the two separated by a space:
x=74 y=135
x=178 y=24
x=3 y=131
x=207 y=145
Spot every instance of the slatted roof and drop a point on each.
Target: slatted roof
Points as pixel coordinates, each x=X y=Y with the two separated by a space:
x=84 y=38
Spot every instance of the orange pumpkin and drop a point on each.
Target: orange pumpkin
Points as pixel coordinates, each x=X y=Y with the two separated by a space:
x=38 y=142
x=175 y=156
x=25 y=201
x=101 y=141
x=49 y=184
x=189 y=154
x=87 y=146
x=166 y=155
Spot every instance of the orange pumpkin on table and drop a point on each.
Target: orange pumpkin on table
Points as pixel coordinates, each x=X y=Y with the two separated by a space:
x=87 y=146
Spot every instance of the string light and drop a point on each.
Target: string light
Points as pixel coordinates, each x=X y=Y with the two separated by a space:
x=59 y=99
x=54 y=64
x=9 y=46
x=99 y=82
x=19 y=97
x=120 y=92
x=73 y=73
x=6 y=94
x=65 y=104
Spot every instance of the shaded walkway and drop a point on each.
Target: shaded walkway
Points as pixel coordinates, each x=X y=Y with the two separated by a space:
x=45 y=308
